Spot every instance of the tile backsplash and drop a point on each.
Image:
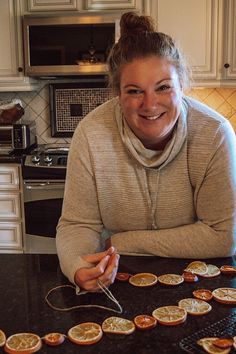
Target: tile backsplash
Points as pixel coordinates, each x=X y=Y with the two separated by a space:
x=36 y=105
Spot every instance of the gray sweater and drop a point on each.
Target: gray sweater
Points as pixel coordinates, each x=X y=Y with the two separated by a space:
x=177 y=203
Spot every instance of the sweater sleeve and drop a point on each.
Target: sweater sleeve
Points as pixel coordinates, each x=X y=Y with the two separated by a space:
x=214 y=232
x=80 y=226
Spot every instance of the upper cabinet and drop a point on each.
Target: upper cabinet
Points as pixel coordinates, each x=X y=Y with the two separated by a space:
x=11 y=58
x=205 y=31
x=86 y=5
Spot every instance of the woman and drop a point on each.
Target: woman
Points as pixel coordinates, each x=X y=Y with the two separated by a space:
x=150 y=171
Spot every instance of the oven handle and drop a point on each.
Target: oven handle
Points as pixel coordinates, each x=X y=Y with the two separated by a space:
x=45 y=185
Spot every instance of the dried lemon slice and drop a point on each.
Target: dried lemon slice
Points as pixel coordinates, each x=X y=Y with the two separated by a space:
x=212 y=271
x=225 y=295
x=197 y=267
x=23 y=343
x=195 y=306
x=209 y=347
x=85 y=333
x=2 y=338
x=170 y=279
x=170 y=315
x=118 y=325
x=143 y=279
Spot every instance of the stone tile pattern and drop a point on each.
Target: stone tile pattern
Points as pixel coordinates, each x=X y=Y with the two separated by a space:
x=36 y=104
x=87 y=99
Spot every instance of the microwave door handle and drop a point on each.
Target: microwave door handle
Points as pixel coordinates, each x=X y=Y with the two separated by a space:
x=45 y=186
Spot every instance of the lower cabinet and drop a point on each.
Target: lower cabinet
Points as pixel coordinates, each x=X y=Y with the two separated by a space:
x=11 y=209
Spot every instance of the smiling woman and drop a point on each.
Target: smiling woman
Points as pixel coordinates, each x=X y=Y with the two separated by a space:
x=151 y=171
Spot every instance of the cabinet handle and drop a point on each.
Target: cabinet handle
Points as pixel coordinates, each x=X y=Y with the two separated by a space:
x=226 y=65
x=20 y=69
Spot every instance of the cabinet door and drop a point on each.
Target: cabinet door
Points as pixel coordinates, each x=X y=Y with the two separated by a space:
x=10 y=206
x=11 y=58
x=229 y=57
x=193 y=24
x=51 y=5
x=10 y=236
x=9 y=177
x=113 y=5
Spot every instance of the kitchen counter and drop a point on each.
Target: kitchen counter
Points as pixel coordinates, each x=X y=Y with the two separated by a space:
x=26 y=279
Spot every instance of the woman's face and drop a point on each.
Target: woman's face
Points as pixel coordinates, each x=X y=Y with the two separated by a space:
x=150 y=98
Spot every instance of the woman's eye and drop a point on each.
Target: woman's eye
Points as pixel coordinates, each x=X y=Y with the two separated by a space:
x=163 y=88
x=134 y=92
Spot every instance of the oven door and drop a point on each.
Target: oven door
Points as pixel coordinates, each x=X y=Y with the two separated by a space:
x=42 y=204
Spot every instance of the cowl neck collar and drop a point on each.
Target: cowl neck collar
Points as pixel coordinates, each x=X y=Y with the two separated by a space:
x=152 y=158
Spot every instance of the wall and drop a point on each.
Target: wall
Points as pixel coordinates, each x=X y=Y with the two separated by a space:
x=36 y=106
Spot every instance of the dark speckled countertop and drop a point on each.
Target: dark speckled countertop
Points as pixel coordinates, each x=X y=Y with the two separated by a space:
x=26 y=279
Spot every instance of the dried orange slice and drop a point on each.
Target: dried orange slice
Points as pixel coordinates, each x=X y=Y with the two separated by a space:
x=54 y=339
x=190 y=277
x=195 y=306
x=234 y=342
x=197 y=267
x=118 y=325
x=225 y=295
x=24 y=343
x=212 y=271
x=228 y=269
x=170 y=315
x=2 y=338
x=170 y=279
x=203 y=294
x=223 y=342
x=85 y=333
x=209 y=347
x=143 y=279
x=122 y=276
x=145 y=322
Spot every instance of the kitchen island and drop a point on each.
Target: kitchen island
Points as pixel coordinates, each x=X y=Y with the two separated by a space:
x=25 y=280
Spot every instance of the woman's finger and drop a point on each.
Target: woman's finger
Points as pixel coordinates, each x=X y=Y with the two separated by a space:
x=97 y=257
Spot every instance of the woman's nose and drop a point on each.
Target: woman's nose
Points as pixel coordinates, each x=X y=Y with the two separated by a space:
x=150 y=101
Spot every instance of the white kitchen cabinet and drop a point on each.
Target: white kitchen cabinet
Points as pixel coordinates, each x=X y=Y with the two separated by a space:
x=194 y=25
x=11 y=58
x=228 y=62
x=34 y=6
x=11 y=209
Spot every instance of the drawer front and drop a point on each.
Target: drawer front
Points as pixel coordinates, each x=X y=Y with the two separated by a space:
x=9 y=206
x=9 y=177
x=10 y=235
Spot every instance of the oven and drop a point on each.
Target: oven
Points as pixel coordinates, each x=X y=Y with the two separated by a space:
x=44 y=180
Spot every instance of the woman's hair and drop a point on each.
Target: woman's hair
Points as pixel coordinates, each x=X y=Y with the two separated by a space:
x=139 y=39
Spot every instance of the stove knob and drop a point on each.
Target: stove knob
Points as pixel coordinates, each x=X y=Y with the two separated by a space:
x=35 y=159
x=48 y=159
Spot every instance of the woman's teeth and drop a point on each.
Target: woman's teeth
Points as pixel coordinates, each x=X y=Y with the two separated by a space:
x=153 y=117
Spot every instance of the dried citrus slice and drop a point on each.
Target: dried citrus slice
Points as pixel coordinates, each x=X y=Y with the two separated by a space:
x=24 y=343
x=145 y=322
x=195 y=306
x=225 y=295
x=170 y=279
x=228 y=269
x=122 y=276
x=2 y=338
x=85 y=333
x=143 y=279
x=223 y=342
x=197 y=267
x=234 y=342
x=118 y=325
x=190 y=277
x=212 y=271
x=54 y=339
x=203 y=294
x=170 y=315
x=209 y=347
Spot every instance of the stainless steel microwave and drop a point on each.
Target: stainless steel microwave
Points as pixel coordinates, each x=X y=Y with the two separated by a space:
x=68 y=45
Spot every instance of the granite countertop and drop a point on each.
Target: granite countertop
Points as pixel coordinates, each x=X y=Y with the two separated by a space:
x=26 y=279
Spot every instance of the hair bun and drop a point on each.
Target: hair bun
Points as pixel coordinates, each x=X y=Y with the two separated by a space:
x=132 y=23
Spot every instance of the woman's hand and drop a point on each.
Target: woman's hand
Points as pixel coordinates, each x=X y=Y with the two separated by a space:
x=105 y=269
